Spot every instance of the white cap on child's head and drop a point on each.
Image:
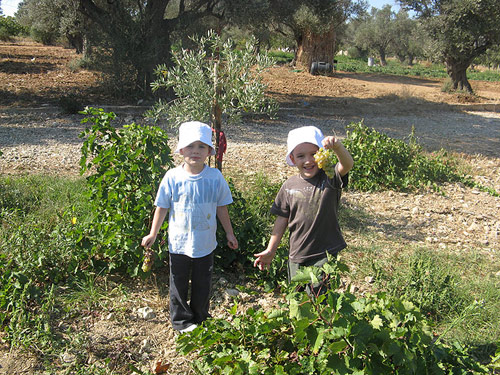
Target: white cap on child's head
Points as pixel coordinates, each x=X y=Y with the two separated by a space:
x=304 y=134
x=193 y=131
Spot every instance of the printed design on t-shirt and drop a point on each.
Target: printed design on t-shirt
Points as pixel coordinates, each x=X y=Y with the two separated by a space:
x=304 y=199
x=192 y=204
x=196 y=219
x=203 y=191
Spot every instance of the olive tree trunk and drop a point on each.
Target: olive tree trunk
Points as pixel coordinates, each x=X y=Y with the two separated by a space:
x=143 y=45
x=315 y=47
x=381 y=53
x=457 y=71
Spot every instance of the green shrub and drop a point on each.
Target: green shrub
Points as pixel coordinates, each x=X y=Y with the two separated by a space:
x=9 y=28
x=250 y=229
x=381 y=162
x=385 y=163
x=126 y=167
x=334 y=333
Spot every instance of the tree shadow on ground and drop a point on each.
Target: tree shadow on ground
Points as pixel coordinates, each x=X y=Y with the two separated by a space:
x=15 y=67
x=388 y=78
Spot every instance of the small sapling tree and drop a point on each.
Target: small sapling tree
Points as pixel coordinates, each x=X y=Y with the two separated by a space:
x=212 y=82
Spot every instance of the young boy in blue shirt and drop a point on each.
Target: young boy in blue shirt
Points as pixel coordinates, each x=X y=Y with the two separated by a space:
x=193 y=194
x=307 y=203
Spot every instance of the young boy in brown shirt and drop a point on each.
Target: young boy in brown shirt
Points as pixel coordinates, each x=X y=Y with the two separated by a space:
x=307 y=203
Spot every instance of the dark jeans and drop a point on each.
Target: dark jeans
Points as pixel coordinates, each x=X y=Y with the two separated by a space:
x=184 y=269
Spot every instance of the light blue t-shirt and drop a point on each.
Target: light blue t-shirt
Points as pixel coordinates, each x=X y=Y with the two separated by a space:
x=192 y=201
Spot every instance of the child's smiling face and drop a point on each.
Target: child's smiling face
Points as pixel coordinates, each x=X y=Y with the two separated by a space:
x=303 y=157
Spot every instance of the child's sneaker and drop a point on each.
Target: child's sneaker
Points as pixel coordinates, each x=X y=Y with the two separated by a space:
x=188 y=329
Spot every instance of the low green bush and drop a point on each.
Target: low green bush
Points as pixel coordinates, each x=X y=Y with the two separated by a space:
x=126 y=166
x=333 y=333
x=252 y=222
x=385 y=163
x=10 y=28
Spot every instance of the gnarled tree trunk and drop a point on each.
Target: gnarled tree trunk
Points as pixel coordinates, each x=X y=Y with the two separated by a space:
x=381 y=53
x=316 y=47
x=457 y=71
x=143 y=44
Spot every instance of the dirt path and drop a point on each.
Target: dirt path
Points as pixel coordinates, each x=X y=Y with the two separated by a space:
x=36 y=137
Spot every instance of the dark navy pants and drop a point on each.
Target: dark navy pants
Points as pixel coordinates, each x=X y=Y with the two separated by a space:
x=198 y=271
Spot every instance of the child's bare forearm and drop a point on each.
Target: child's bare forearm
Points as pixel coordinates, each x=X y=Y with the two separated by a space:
x=277 y=234
x=158 y=219
x=223 y=216
x=263 y=260
x=345 y=159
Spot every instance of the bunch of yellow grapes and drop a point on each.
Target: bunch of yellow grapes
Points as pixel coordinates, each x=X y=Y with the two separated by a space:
x=148 y=261
x=326 y=161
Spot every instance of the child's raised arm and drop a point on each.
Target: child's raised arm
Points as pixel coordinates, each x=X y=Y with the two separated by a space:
x=345 y=159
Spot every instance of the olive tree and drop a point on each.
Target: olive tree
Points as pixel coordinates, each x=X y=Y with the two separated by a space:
x=140 y=33
x=316 y=25
x=50 y=21
x=461 y=31
x=409 y=40
x=213 y=82
x=377 y=32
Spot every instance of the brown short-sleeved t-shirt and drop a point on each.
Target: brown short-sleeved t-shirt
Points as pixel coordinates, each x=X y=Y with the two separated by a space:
x=311 y=206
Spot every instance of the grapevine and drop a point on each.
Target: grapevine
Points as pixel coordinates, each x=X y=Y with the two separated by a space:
x=326 y=160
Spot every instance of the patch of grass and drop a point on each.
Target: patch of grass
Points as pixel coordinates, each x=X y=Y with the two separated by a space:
x=427 y=279
x=394 y=67
x=41 y=196
x=459 y=293
x=281 y=57
x=91 y=292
